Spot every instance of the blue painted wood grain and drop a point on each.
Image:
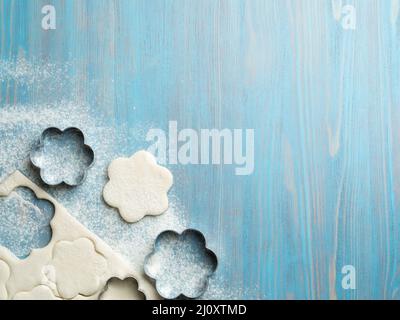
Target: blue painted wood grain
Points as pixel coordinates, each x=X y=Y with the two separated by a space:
x=324 y=103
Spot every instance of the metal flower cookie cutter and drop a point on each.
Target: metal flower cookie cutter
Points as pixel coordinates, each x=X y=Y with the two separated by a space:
x=62 y=156
x=181 y=264
x=117 y=288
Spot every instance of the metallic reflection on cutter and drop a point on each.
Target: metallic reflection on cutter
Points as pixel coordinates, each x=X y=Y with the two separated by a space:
x=181 y=264
x=62 y=156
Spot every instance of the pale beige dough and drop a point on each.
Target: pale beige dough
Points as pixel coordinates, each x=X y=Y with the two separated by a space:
x=87 y=272
x=78 y=267
x=138 y=186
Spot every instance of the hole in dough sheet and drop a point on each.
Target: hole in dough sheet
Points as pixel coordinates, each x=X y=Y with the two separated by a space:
x=25 y=222
x=117 y=289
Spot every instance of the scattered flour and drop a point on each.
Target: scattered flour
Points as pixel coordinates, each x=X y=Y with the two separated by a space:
x=20 y=128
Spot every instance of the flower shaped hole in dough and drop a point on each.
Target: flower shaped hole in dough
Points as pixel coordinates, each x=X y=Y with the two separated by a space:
x=181 y=264
x=138 y=186
x=78 y=267
x=25 y=222
x=62 y=157
x=4 y=275
x=41 y=292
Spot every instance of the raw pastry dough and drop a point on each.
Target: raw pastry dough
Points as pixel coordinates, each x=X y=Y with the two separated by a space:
x=78 y=267
x=42 y=266
x=138 y=186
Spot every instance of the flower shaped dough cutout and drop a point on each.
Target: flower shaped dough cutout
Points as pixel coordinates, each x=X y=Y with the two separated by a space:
x=24 y=217
x=62 y=157
x=181 y=264
x=41 y=292
x=78 y=267
x=138 y=186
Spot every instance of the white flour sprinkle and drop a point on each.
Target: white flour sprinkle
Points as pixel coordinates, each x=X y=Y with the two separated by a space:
x=20 y=128
x=24 y=72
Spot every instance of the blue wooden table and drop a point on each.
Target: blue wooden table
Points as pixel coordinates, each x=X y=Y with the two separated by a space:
x=317 y=80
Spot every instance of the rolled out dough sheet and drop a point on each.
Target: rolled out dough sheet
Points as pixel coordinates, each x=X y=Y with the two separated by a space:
x=76 y=264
